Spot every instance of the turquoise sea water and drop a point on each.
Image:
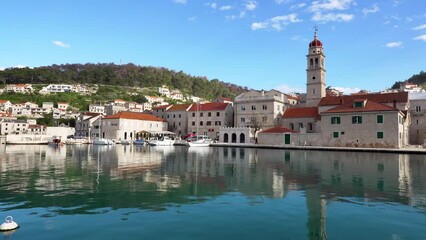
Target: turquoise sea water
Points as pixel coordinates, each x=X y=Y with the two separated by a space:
x=134 y=192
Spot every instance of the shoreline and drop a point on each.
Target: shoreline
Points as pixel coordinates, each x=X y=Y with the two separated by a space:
x=318 y=148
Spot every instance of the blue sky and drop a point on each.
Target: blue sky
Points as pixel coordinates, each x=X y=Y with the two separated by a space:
x=260 y=44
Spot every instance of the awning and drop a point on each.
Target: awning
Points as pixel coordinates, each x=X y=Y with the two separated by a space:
x=161 y=132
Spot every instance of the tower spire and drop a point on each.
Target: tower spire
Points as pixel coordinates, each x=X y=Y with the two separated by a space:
x=315 y=31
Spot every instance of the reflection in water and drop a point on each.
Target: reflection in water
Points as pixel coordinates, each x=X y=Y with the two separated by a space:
x=88 y=179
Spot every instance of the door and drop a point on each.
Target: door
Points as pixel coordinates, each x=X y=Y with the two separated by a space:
x=286 y=138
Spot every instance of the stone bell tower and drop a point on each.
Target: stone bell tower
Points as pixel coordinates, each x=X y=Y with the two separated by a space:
x=315 y=72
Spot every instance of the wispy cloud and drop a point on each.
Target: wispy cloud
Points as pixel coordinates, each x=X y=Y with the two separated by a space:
x=276 y=23
x=212 y=5
x=61 y=44
x=393 y=44
x=332 y=17
x=225 y=8
x=282 y=1
x=297 y=6
x=348 y=90
x=192 y=18
x=329 y=5
x=298 y=38
x=180 y=1
x=420 y=27
x=290 y=89
x=373 y=9
x=250 y=5
x=421 y=37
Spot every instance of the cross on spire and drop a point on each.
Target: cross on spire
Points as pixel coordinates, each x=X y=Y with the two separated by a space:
x=316 y=30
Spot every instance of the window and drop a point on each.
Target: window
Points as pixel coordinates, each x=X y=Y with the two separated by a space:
x=180 y=115
x=291 y=126
x=209 y=114
x=243 y=108
x=335 y=120
x=193 y=114
x=379 y=118
x=300 y=125
x=264 y=107
x=311 y=126
x=208 y=123
x=335 y=134
x=358 y=104
x=193 y=123
x=264 y=119
x=418 y=108
x=218 y=114
x=174 y=115
x=380 y=135
x=201 y=123
x=243 y=119
x=356 y=119
x=201 y=114
x=253 y=108
x=217 y=123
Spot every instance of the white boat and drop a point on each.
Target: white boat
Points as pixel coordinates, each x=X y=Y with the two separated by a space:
x=163 y=141
x=103 y=141
x=28 y=139
x=125 y=142
x=99 y=140
x=200 y=141
x=76 y=141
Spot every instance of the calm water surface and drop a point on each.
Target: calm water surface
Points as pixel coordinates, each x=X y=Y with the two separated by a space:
x=134 y=192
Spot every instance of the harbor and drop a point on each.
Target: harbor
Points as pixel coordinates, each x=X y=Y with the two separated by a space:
x=210 y=192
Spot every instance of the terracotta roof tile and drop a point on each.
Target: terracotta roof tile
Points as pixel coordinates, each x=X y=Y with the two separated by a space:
x=306 y=112
x=4 y=101
x=370 y=106
x=161 y=107
x=211 y=106
x=178 y=107
x=278 y=130
x=135 y=115
x=377 y=97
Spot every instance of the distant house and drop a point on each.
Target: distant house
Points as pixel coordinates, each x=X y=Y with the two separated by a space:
x=5 y=105
x=177 y=117
x=19 y=88
x=276 y=136
x=303 y=119
x=97 y=108
x=128 y=125
x=56 y=88
x=208 y=118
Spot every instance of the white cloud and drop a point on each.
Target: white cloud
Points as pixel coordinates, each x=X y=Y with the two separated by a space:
x=290 y=89
x=282 y=1
x=212 y=5
x=61 y=44
x=373 y=9
x=298 y=37
x=332 y=17
x=192 y=18
x=421 y=37
x=393 y=44
x=250 y=5
x=180 y=1
x=348 y=90
x=420 y=27
x=231 y=17
x=276 y=23
x=329 y=5
x=258 y=25
x=297 y=6
x=224 y=8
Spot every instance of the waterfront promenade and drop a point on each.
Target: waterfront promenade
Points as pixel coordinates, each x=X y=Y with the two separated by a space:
x=417 y=150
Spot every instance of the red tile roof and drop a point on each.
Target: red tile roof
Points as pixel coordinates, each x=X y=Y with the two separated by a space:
x=292 y=97
x=278 y=130
x=211 y=106
x=4 y=101
x=377 y=97
x=370 y=106
x=178 y=107
x=306 y=112
x=161 y=107
x=134 y=115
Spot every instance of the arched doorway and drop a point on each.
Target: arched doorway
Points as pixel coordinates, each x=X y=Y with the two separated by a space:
x=234 y=137
x=242 y=138
x=225 y=137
